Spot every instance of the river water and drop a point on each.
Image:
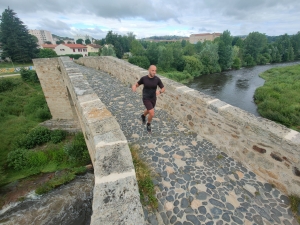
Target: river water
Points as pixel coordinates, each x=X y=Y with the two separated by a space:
x=235 y=87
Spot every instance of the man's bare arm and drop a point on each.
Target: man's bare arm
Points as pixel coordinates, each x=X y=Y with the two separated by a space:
x=134 y=87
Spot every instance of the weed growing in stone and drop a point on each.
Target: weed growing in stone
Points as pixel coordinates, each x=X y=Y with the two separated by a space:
x=219 y=157
x=295 y=206
x=144 y=179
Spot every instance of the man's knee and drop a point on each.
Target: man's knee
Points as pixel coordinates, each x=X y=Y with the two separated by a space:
x=151 y=112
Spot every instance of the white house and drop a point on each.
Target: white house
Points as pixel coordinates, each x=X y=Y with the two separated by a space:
x=63 y=49
x=93 y=48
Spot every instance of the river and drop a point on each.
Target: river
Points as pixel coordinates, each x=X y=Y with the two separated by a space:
x=235 y=87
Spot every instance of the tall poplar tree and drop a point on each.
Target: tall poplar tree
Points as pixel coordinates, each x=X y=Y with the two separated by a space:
x=16 y=42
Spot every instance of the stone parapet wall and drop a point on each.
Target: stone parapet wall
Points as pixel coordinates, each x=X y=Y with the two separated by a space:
x=271 y=150
x=116 y=197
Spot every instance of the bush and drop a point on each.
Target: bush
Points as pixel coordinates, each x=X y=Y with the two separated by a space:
x=37 y=136
x=6 y=84
x=58 y=155
x=182 y=77
x=37 y=106
x=141 y=61
x=17 y=159
x=36 y=159
x=74 y=56
x=77 y=150
x=43 y=113
x=58 y=136
x=29 y=75
x=236 y=63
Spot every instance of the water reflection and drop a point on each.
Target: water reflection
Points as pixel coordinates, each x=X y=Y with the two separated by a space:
x=235 y=87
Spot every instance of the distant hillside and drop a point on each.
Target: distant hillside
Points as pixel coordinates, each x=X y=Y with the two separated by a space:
x=166 y=37
x=61 y=38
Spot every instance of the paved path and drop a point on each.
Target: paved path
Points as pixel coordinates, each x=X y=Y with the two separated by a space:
x=10 y=75
x=196 y=183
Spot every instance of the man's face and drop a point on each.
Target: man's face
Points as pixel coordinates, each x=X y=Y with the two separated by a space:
x=152 y=71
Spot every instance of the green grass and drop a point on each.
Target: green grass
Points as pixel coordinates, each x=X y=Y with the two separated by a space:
x=295 y=203
x=181 y=77
x=59 y=179
x=25 y=149
x=14 y=65
x=279 y=98
x=144 y=179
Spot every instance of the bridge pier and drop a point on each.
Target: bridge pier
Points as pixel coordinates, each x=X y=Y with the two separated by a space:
x=116 y=197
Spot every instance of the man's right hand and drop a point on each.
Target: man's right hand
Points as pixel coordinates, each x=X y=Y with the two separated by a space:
x=134 y=87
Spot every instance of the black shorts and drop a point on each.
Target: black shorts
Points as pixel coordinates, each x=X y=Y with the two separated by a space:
x=149 y=103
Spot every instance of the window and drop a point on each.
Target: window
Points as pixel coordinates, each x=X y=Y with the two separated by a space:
x=79 y=50
x=73 y=49
x=84 y=50
x=62 y=49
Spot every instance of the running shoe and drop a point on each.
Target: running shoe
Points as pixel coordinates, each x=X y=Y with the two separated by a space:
x=143 y=119
x=149 y=127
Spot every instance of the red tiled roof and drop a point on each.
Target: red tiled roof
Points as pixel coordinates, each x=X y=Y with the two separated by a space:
x=94 y=45
x=75 y=45
x=49 y=46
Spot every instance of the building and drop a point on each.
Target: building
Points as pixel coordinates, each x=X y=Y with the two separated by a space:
x=194 y=38
x=42 y=36
x=83 y=37
x=64 y=49
x=93 y=48
x=48 y=46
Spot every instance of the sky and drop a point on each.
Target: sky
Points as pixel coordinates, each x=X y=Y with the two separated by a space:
x=146 y=18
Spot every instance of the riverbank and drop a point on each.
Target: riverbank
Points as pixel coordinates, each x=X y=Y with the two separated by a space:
x=279 y=98
x=236 y=87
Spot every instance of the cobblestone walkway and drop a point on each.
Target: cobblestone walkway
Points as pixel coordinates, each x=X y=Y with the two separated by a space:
x=196 y=182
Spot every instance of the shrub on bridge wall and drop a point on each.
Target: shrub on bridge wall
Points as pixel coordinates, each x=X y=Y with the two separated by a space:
x=74 y=56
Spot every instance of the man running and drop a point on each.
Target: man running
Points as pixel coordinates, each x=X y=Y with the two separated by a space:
x=150 y=83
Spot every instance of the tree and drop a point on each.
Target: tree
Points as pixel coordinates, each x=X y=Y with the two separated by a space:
x=141 y=61
x=108 y=50
x=87 y=41
x=209 y=58
x=17 y=43
x=60 y=42
x=189 y=49
x=296 y=44
x=48 y=42
x=137 y=49
x=225 y=50
x=47 y=53
x=193 y=65
x=285 y=48
x=152 y=53
x=79 y=41
x=165 y=58
x=254 y=45
x=178 y=61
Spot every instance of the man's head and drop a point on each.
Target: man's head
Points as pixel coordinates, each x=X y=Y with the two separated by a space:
x=152 y=71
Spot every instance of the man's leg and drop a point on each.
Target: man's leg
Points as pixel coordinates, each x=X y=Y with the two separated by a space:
x=151 y=115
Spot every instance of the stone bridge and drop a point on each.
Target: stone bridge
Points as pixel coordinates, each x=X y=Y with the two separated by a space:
x=216 y=164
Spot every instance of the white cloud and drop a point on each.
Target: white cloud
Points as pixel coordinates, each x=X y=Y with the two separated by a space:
x=158 y=17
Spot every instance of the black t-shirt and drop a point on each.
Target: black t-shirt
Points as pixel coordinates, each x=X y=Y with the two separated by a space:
x=150 y=86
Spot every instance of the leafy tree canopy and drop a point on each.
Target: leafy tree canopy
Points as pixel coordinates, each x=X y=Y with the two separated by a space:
x=87 y=41
x=16 y=42
x=47 y=53
x=79 y=41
